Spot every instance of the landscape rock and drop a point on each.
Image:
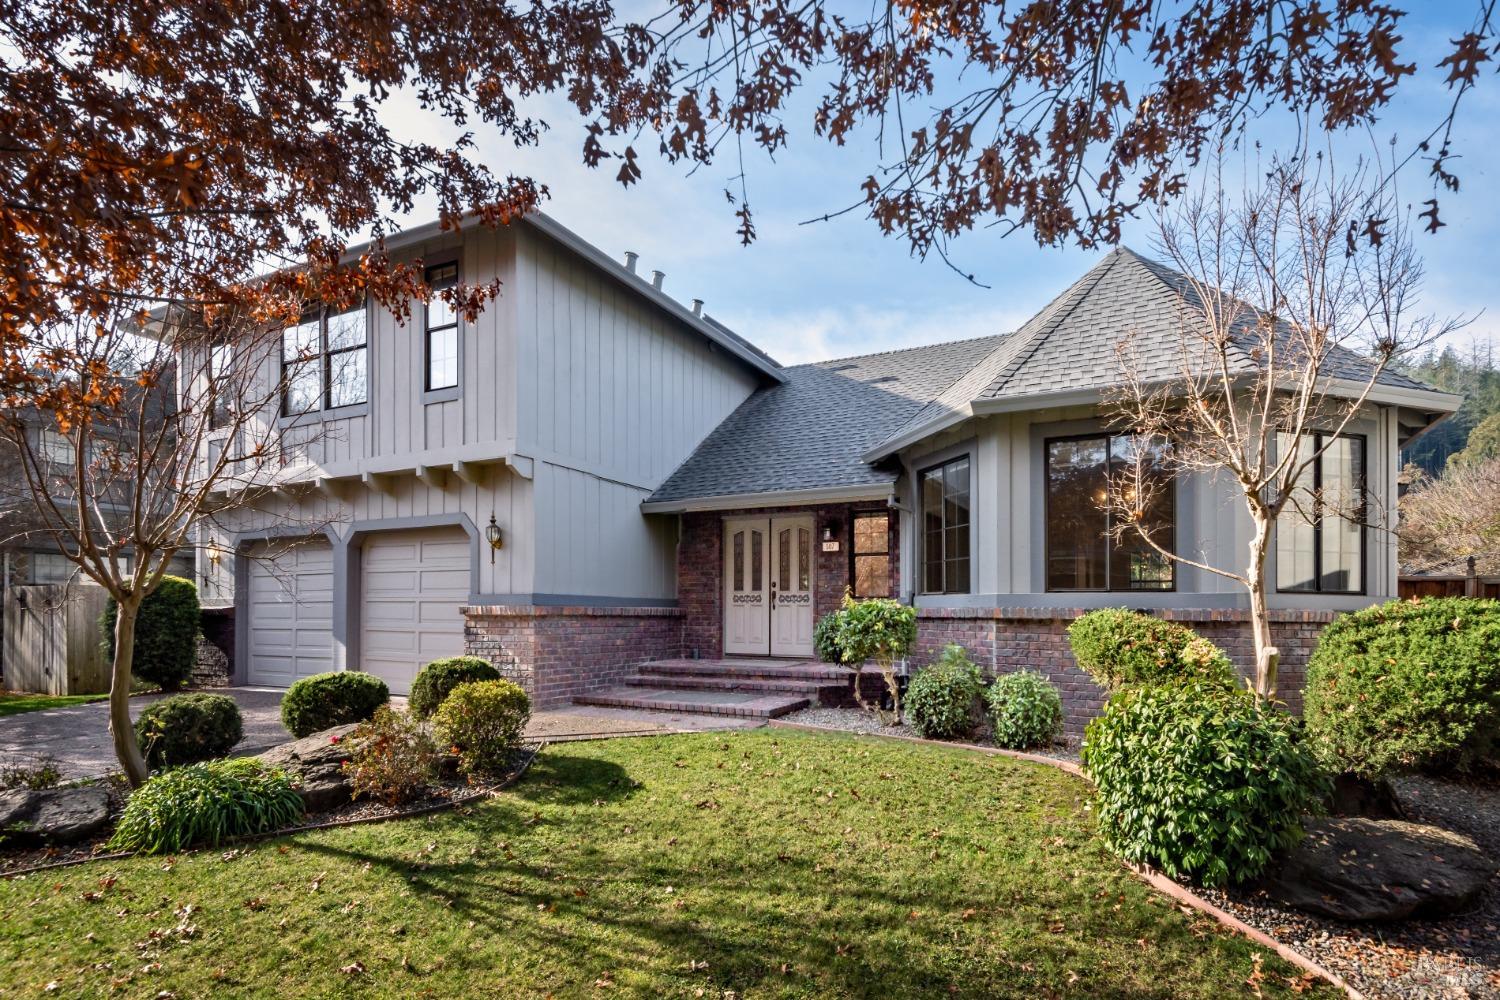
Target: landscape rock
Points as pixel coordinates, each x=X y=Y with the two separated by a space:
x=1361 y=869
x=318 y=760
x=53 y=815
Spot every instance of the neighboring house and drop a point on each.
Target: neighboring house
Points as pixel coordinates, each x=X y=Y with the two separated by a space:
x=666 y=490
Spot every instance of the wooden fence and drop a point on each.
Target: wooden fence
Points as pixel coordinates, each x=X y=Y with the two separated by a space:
x=52 y=639
x=1467 y=584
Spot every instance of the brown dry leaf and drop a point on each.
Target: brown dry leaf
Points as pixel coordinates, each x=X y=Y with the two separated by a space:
x=353 y=969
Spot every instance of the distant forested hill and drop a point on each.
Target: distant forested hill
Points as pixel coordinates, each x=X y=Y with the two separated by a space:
x=1469 y=372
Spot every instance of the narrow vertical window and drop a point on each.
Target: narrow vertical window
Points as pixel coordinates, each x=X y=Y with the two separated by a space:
x=757 y=560
x=1320 y=536
x=945 y=527
x=442 y=329
x=872 y=555
x=784 y=558
x=739 y=560
x=220 y=362
x=804 y=550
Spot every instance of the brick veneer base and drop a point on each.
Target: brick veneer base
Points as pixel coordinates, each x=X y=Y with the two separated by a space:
x=1003 y=640
x=558 y=653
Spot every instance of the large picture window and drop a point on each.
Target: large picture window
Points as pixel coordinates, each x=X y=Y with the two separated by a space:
x=872 y=554
x=945 y=527
x=442 y=330
x=325 y=361
x=1081 y=552
x=1320 y=536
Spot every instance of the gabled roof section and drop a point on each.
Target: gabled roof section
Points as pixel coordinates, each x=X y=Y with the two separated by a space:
x=1068 y=351
x=808 y=434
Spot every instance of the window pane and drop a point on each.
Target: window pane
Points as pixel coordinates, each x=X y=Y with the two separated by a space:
x=1077 y=526
x=784 y=558
x=872 y=576
x=872 y=534
x=300 y=342
x=804 y=547
x=739 y=560
x=957 y=572
x=1133 y=564
x=757 y=560
x=346 y=378
x=346 y=329
x=55 y=447
x=303 y=385
x=1342 y=514
x=440 y=312
x=442 y=358
x=1296 y=538
x=945 y=519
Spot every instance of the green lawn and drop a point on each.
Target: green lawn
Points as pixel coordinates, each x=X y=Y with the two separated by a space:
x=761 y=864
x=15 y=704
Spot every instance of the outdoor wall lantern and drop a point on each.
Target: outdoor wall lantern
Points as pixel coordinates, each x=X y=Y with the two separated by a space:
x=493 y=536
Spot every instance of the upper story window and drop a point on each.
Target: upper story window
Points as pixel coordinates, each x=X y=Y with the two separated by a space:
x=442 y=330
x=54 y=448
x=325 y=361
x=220 y=363
x=1320 y=536
x=872 y=554
x=1081 y=552
x=945 y=527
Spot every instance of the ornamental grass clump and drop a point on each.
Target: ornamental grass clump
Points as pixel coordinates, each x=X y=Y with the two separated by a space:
x=1026 y=710
x=188 y=728
x=206 y=804
x=483 y=721
x=940 y=700
x=1200 y=780
x=438 y=678
x=1118 y=647
x=1406 y=685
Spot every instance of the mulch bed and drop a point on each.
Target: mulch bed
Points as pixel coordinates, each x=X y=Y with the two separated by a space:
x=444 y=795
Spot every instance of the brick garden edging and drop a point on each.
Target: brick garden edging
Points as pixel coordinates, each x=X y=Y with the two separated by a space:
x=1156 y=880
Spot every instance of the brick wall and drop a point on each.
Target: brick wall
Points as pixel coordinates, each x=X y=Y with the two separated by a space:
x=700 y=568
x=1003 y=640
x=558 y=653
x=214 y=665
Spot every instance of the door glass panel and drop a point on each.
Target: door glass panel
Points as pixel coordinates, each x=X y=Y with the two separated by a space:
x=804 y=548
x=784 y=558
x=757 y=545
x=739 y=560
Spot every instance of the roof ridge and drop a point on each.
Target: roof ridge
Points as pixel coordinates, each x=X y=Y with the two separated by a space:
x=899 y=350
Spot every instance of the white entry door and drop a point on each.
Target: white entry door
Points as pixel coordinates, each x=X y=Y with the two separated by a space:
x=413 y=583
x=768 y=602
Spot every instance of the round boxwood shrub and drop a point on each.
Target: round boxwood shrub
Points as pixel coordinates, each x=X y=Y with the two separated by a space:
x=188 y=728
x=435 y=680
x=482 y=721
x=940 y=699
x=204 y=804
x=1118 y=647
x=826 y=639
x=1200 y=780
x=1405 y=685
x=166 y=633
x=1026 y=710
x=323 y=701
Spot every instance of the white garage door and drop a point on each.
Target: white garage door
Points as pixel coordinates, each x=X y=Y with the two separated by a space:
x=291 y=612
x=413 y=585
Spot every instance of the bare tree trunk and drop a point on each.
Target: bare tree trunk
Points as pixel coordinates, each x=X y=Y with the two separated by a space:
x=120 y=729
x=1267 y=656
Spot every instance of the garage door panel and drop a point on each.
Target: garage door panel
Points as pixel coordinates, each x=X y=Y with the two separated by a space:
x=413 y=583
x=290 y=607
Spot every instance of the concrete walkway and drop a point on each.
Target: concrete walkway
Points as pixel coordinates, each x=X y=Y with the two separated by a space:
x=77 y=737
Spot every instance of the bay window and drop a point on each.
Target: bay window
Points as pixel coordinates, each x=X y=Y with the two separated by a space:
x=945 y=527
x=1082 y=552
x=1320 y=536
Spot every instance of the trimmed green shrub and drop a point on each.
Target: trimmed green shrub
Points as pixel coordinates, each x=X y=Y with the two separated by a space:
x=393 y=757
x=1408 y=684
x=483 y=721
x=1200 y=780
x=435 y=680
x=1026 y=710
x=166 y=633
x=826 y=638
x=204 y=804
x=1118 y=647
x=188 y=728
x=323 y=701
x=940 y=699
x=879 y=631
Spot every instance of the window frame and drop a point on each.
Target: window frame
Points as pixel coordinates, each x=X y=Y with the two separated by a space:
x=324 y=359
x=855 y=553
x=441 y=393
x=965 y=456
x=1047 y=587
x=48 y=440
x=1317 y=525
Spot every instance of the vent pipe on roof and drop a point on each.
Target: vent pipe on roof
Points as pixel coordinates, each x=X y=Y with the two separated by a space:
x=630 y=258
x=657 y=277
x=697 y=307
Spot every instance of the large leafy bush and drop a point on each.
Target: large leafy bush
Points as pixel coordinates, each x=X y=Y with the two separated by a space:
x=188 y=728
x=826 y=638
x=393 y=758
x=1118 y=647
x=166 y=633
x=323 y=701
x=439 y=677
x=878 y=631
x=1026 y=710
x=204 y=804
x=483 y=722
x=1200 y=780
x=1405 y=685
x=940 y=699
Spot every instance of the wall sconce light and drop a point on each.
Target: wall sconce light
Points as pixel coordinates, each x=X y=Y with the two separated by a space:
x=493 y=535
x=831 y=532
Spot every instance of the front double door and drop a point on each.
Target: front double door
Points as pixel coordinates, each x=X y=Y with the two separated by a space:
x=768 y=580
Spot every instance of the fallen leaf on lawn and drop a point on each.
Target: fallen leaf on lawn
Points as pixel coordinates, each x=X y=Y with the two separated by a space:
x=317 y=883
x=604 y=982
x=353 y=969
x=967 y=914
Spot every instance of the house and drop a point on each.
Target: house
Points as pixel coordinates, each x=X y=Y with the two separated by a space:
x=662 y=495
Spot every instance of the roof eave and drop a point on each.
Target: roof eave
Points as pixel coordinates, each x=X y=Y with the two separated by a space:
x=772 y=498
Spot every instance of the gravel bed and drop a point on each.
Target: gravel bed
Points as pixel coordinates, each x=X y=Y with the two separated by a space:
x=1457 y=957
x=857 y=720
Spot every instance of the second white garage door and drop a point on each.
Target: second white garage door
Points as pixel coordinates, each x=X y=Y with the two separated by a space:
x=413 y=583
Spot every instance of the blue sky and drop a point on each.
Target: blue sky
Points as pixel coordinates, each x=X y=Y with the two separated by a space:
x=809 y=292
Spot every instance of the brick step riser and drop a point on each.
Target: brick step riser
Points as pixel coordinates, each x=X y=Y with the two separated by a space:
x=826 y=676
x=810 y=688
x=694 y=708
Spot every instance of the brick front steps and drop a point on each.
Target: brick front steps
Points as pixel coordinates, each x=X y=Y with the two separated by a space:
x=747 y=688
